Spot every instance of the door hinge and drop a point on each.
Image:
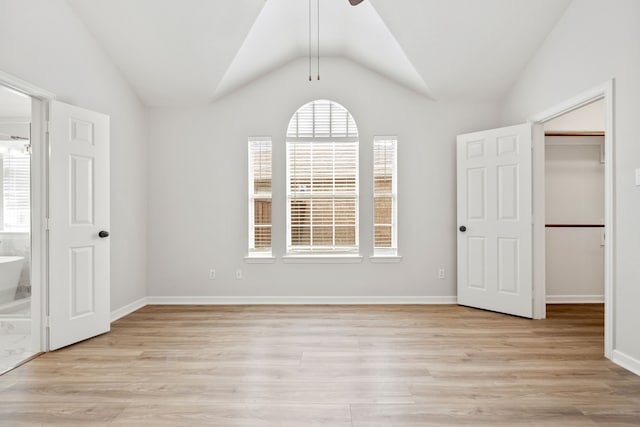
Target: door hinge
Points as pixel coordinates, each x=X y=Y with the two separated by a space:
x=47 y=126
x=47 y=321
x=47 y=223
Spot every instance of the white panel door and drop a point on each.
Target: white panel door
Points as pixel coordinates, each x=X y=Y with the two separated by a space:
x=494 y=220
x=79 y=287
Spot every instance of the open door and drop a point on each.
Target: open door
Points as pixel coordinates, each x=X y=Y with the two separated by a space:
x=79 y=287
x=495 y=220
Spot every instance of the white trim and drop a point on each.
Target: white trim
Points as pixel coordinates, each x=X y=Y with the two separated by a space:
x=626 y=361
x=252 y=195
x=538 y=218
x=128 y=309
x=15 y=120
x=39 y=226
x=385 y=259
x=260 y=259
x=575 y=299
x=322 y=259
x=39 y=205
x=604 y=91
x=25 y=87
x=393 y=250
x=312 y=142
x=578 y=101
x=298 y=300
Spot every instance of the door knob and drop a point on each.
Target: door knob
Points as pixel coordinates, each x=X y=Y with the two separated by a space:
x=103 y=234
x=463 y=228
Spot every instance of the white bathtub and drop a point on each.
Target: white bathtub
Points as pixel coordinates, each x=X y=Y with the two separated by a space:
x=10 y=269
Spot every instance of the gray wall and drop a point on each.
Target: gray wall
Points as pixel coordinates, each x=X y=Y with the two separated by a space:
x=198 y=188
x=593 y=42
x=44 y=43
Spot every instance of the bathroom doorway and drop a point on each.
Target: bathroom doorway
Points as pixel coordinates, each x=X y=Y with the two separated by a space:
x=19 y=340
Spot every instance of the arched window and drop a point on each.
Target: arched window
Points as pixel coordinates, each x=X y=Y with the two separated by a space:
x=322 y=180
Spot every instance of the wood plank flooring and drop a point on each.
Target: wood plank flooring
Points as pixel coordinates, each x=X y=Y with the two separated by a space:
x=329 y=366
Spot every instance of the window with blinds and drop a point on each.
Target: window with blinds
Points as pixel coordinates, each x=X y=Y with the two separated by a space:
x=260 y=187
x=385 y=197
x=16 y=189
x=322 y=180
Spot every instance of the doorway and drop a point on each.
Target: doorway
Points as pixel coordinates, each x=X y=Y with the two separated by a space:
x=68 y=220
x=19 y=335
x=574 y=206
x=603 y=93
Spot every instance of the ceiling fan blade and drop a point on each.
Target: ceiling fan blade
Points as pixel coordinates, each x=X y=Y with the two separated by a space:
x=355 y=2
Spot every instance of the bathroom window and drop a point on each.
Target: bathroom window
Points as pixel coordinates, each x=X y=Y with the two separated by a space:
x=260 y=188
x=385 y=196
x=15 y=213
x=322 y=181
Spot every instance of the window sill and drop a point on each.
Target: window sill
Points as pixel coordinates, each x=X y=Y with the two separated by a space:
x=260 y=259
x=322 y=259
x=385 y=259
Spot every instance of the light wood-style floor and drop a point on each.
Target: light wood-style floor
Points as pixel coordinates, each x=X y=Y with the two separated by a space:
x=329 y=366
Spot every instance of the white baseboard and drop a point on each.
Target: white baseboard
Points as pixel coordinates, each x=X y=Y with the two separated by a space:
x=240 y=300
x=284 y=300
x=128 y=309
x=575 y=299
x=626 y=361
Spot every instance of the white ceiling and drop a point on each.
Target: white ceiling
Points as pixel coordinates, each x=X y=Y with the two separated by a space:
x=186 y=52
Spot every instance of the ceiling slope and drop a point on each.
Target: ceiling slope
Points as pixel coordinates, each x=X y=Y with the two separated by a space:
x=470 y=49
x=190 y=52
x=281 y=34
x=173 y=53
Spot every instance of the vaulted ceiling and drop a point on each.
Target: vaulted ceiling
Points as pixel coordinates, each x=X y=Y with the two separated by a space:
x=188 y=52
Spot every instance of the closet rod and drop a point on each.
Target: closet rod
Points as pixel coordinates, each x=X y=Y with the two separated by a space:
x=564 y=133
x=574 y=225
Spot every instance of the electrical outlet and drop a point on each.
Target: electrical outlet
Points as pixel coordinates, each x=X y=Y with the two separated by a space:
x=441 y=273
x=239 y=274
x=212 y=274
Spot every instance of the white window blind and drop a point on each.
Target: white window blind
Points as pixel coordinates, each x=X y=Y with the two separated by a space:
x=16 y=190
x=260 y=190
x=385 y=197
x=322 y=180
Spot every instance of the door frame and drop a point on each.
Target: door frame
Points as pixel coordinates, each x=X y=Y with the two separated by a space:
x=39 y=204
x=604 y=91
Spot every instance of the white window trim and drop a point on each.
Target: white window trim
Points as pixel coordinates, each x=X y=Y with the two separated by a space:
x=261 y=256
x=387 y=254
x=322 y=259
x=385 y=259
x=332 y=255
x=256 y=258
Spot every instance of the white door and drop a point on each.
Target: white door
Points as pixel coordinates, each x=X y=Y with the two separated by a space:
x=79 y=293
x=494 y=220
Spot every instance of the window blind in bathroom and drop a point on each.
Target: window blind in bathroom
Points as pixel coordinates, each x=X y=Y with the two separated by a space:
x=16 y=190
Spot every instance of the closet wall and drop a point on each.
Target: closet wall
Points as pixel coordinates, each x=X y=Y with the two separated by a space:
x=574 y=182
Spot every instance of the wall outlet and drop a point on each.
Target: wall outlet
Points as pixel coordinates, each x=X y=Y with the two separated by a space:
x=441 y=273
x=212 y=274
x=239 y=274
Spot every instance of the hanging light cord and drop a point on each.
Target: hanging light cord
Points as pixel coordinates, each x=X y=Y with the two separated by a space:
x=309 y=40
x=318 y=63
